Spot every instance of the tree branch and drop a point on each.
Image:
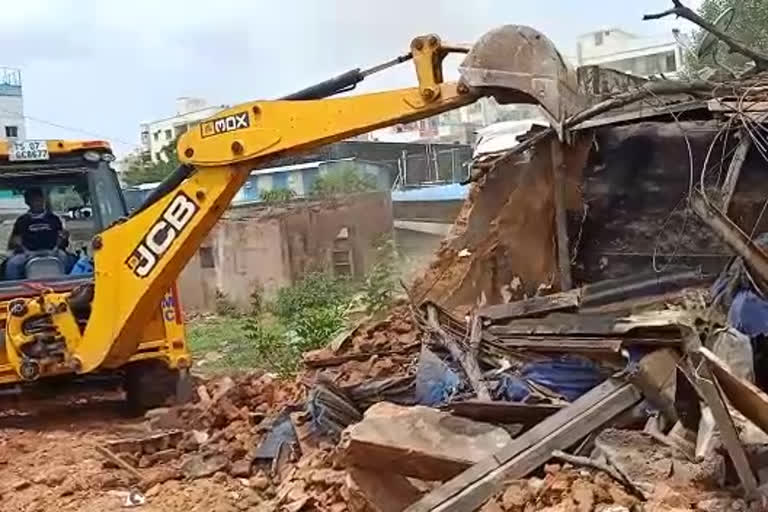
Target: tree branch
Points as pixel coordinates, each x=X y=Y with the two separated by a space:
x=605 y=468
x=680 y=10
x=659 y=15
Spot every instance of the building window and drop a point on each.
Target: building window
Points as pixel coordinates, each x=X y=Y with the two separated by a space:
x=206 y=257
x=342 y=253
x=156 y=136
x=652 y=65
x=168 y=134
x=598 y=38
x=671 y=62
x=11 y=131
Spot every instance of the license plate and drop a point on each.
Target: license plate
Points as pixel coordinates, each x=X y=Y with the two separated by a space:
x=28 y=150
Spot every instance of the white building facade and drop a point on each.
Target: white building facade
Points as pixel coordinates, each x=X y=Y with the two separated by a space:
x=156 y=135
x=456 y=126
x=642 y=56
x=12 y=124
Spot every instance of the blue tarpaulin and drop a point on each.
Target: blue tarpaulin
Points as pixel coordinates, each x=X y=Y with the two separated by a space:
x=749 y=313
x=84 y=266
x=436 y=383
x=567 y=376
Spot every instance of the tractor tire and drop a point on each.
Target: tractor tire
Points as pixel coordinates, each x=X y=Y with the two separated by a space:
x=150 y=384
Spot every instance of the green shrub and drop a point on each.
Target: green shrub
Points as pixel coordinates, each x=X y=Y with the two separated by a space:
x=379 y=286
x=313 y=308
x=225 y=306
x=343 y=180
x=257 y=299
x=272 y=346
x=316 y=326
x=316 y=290
x=277 y=195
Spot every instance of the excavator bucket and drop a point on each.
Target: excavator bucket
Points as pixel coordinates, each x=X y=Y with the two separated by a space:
x=518 y=64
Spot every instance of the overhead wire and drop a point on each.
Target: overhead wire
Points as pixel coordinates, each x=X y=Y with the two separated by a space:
x=676 y=118
x=71 y=128
x=755 y=131
x=758 y=135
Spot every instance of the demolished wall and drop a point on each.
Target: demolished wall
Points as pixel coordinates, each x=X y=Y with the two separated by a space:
x=635 y=187
x=502 y=246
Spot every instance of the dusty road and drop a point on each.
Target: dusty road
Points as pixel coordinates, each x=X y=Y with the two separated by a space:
x=48 y=462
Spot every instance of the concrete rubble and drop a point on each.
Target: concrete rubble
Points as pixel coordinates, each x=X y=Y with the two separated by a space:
x=390 y=419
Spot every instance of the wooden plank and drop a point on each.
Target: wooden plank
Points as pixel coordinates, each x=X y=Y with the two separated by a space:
x=503 y=412
x=384 y=491
x=596 y=324
x=535 y=305
x=559 y=344
x=745 y=397
x=734 y=169
x=559 y=324
x=639 y=288
x=561 y=220
x=656 y=376
x=469 y=490
x=734 y=107
x=466 y=358
x=642 y=113
x=732 y=235
x=475 y=334
x=552 y=340
x=709 y=390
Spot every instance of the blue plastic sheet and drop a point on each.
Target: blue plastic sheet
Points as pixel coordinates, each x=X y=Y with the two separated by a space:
x=511 y=389
x=436 y=383
x=733 y=289
x=749 y=313
x=567 y=376
x=82 y=267
x=282 y=432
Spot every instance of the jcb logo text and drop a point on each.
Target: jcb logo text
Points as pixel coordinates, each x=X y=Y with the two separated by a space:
x=161 y=235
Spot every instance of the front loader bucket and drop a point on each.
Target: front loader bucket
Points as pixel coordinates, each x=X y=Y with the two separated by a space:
x=521 y=65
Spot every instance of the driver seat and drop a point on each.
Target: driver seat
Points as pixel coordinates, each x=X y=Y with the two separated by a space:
x=43 y=265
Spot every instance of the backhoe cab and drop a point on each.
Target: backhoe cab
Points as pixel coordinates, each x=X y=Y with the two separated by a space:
x=78 y=192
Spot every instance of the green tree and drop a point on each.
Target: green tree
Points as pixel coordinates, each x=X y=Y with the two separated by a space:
x=277 y=195
x=749 y=26
x=345 y=179
x=137 y=170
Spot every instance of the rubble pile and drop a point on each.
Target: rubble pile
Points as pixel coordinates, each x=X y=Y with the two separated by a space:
x=579 y=400
x=252 y=432
x=566 y=488
x=379 y=349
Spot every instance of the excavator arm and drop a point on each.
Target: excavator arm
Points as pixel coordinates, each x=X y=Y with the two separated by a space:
x=138 y=260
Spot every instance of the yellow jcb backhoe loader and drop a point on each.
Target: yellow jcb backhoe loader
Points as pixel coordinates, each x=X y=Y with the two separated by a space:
x=123 y=318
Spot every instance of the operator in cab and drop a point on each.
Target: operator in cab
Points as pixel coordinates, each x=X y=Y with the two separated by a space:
x=37 y=230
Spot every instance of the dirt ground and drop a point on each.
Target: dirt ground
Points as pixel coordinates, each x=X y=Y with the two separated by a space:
x=49 y=456
x=48 y=462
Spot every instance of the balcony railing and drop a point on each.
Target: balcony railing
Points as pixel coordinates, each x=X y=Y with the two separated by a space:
x=10 y=76
x=10 y=82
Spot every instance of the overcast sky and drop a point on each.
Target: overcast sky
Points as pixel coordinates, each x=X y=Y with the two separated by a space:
x=103 y=66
